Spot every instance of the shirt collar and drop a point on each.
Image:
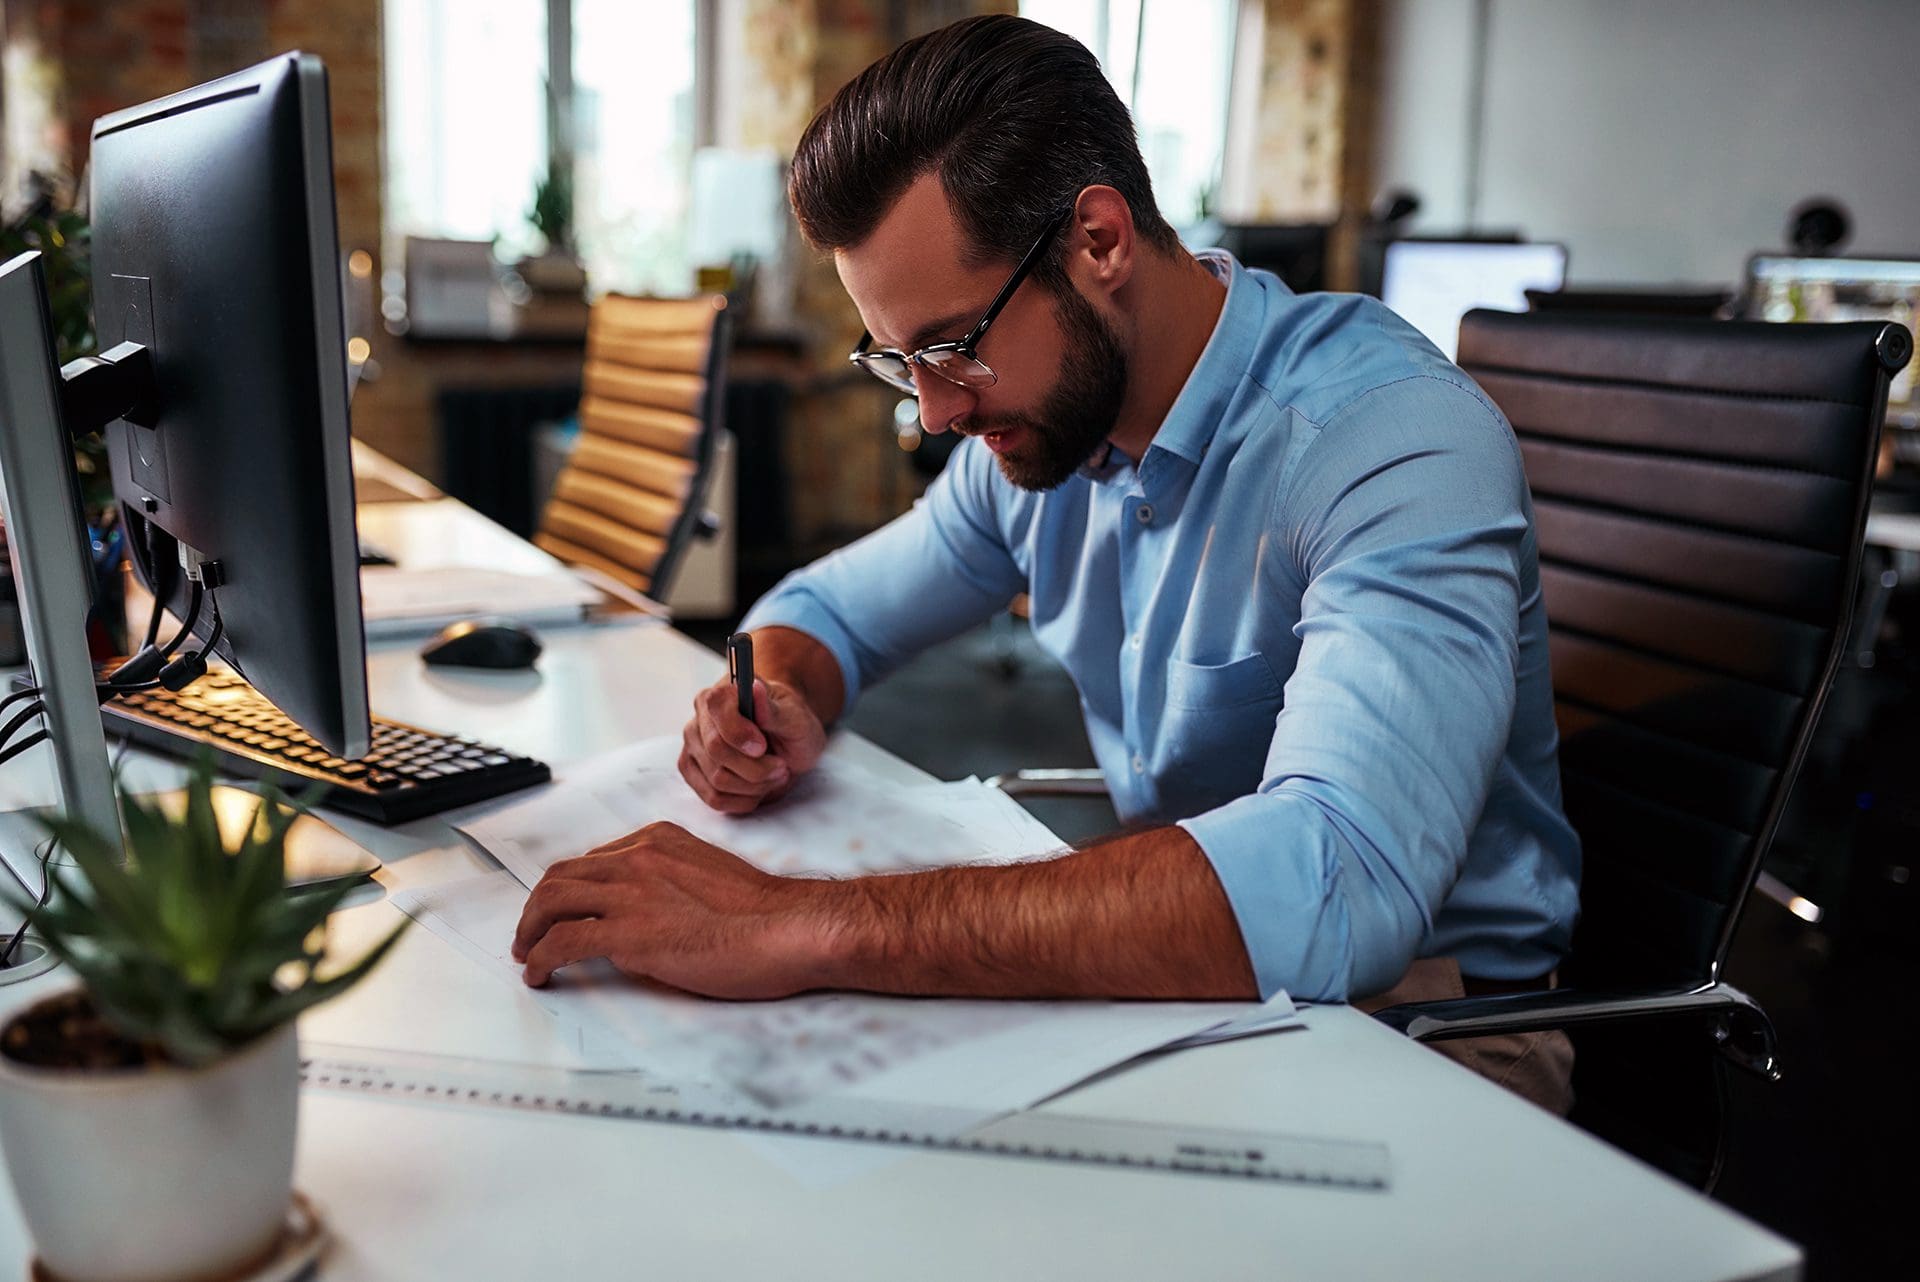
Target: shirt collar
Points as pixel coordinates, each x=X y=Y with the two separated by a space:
x=1208 y=392
x=1195 y=415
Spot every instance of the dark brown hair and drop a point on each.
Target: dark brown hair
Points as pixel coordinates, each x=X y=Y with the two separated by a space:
x=1016 y=118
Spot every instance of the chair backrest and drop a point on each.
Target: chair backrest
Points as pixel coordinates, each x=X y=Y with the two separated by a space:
x=628 y=499
x=1700 y=490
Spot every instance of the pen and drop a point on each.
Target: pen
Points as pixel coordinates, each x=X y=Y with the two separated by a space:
x=740 y=667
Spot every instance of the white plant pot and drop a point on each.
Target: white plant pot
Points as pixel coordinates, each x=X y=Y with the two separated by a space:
x=158 y=1174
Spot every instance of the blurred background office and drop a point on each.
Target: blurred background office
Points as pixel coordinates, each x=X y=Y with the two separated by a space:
x=500 y=165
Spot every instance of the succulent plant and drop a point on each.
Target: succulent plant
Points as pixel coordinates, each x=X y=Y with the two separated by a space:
x=190 y=945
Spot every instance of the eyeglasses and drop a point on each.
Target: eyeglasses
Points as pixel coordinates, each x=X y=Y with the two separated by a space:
x=957 y=362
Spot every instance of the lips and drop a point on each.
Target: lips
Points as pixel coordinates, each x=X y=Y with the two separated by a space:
x=1000 y=440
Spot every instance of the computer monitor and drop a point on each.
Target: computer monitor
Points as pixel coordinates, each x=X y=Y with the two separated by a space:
x=214 y=246
x=1372 y=249
x=1783 y=287
x=222 y=389
x=1433 y=283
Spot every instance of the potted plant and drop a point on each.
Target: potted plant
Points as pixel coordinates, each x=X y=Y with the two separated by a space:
x=557 y=271
x=147 y=1114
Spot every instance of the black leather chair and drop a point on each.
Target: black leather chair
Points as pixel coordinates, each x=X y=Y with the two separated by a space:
x=1701 y=490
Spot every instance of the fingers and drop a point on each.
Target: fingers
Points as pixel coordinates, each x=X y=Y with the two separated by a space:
x=556 y=899
x=566 y=943
x=718 y=712
x=731 y=773
x=734 y=764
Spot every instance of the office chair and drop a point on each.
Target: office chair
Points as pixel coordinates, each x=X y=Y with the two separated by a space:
x=1700 y=491
x=630 y=497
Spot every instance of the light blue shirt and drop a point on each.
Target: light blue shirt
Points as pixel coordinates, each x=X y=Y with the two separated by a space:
x=1306 y=626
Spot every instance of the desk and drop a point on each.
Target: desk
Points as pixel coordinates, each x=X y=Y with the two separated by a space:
x=1484 y=1186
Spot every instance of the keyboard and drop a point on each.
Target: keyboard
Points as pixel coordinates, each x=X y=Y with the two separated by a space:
x=409 y=773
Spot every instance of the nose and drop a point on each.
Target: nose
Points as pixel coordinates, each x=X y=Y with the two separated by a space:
x=942 y=403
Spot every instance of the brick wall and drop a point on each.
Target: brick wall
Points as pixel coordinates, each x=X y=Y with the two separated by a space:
x=1312 y=151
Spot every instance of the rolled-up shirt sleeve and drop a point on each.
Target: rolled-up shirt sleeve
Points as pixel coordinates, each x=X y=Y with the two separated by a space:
x=929 y=575
x=1406 y=522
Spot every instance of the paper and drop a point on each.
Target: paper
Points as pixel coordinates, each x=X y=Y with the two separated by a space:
x=398 y=602
x=839 y=820
x=990 y=1056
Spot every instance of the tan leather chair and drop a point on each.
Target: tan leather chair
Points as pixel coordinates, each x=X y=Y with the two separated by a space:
x=631 y=496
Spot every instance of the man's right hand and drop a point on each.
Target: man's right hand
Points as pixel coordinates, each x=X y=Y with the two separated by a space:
x=735 y=764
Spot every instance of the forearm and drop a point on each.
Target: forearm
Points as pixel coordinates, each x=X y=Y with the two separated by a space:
x=793 y=658
x=1141 y=916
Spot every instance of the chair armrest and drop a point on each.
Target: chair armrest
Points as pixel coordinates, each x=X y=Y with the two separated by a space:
x=1051 y=783
x=1740 y=1026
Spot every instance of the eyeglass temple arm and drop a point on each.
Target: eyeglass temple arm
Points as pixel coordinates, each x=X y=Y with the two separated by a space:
x=1040 y=247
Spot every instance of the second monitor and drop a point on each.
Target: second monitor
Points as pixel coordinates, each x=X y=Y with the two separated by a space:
x=214 y=247
x=1433 y=283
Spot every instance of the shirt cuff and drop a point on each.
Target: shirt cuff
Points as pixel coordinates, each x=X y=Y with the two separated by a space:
x=1279 y=862
x=798 y=608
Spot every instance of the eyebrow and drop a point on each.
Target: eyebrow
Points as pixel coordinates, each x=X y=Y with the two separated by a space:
x=931 y=333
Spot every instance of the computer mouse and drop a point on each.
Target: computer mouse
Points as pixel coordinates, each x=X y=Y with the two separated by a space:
x=482 y=643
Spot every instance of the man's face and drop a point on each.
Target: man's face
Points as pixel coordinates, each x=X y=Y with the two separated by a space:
x=1062 y=370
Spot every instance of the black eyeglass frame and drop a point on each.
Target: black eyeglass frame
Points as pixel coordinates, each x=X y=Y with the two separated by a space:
x=968 y=346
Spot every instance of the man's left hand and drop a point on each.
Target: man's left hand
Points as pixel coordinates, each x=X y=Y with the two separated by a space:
x=663 y=905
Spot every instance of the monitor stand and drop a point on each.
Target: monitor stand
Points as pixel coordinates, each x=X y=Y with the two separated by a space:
x=47 y=542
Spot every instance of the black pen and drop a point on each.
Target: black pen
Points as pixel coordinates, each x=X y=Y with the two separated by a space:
x=740 y=667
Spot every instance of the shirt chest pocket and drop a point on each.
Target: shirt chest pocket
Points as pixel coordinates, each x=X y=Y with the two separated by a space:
x=1215 y=729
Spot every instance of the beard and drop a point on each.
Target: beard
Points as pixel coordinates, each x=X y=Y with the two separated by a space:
x=1077 y=414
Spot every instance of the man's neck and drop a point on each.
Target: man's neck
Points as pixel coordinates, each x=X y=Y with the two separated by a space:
x=1176 y=303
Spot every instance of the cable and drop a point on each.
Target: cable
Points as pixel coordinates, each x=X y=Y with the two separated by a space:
x=186 y=629
x=188 y=668
x=141 y=672
x=14 y=750
x=44 y=853
x=18 y=695
x=153 y=573
x=25 y=715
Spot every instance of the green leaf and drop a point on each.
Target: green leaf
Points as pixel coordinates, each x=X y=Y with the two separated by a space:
x=186 y=943
x=288 y=1005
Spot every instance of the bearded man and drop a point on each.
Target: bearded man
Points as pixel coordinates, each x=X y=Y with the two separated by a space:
x=1283 y=547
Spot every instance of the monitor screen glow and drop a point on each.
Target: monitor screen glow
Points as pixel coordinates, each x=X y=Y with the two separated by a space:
x=1785 y=288
x=1432 y=284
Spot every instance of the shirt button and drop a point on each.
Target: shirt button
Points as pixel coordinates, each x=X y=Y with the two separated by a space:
x=1145 y=513
x=1134 y=640
x=1139 y=766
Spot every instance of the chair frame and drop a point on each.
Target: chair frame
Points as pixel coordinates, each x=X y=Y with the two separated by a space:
x=692 y=521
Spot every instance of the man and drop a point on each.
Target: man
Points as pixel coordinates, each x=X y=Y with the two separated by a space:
x=1283 y=547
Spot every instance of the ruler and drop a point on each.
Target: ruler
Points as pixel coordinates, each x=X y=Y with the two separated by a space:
x=1038 y=1136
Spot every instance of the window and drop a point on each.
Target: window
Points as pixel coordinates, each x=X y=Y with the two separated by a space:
x=1171 y=63
x=469 y=129
x=465 y=119
x=633 y=135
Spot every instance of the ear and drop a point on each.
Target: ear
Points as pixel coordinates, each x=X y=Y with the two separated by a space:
x=1101 y=242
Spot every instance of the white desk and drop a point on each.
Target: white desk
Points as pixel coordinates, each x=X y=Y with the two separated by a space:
x=1484 y=1186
